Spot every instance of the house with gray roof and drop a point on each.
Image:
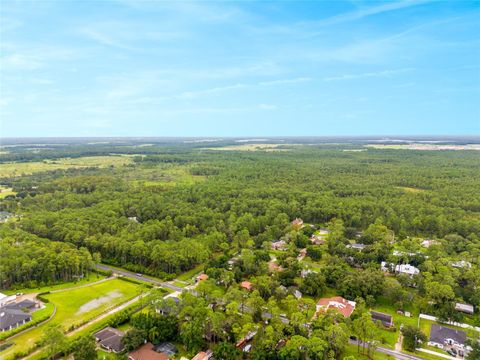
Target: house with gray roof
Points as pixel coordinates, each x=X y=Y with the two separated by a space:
x=385 y=319
x=448 y=339
x=12 y=318
x=110 y=339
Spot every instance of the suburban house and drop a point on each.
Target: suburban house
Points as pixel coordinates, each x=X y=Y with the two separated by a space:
x=385 y=319
x=449 y=339
x=406 y=269
x=343 y=306
x=298 y=223
x=110 y=339
x=246 y=285
x=358 y=247
x=274 y=267
x=279 y=245
x=147 y=352
x=317 y=239
x=12 y=318
x=302 y=254
x=203 y=355
x=462 y=264
x=201 y=277
x=465 y=308
x=243 y=344
x=168 y=305
x=429 y=242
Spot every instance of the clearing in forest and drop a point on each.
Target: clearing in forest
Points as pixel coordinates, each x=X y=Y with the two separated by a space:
x=28 y=168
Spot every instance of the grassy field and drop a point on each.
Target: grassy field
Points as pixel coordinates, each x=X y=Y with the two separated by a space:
x=27 y=168
x=411 y=190
x=187 y=276
x=76 y=306
x=92 y=277
x=5 y=191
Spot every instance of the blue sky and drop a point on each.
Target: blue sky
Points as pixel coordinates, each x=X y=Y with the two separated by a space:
x=157 y=68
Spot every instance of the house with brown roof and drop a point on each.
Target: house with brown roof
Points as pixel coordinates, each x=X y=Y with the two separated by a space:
x=343 y=306
x=147 y=352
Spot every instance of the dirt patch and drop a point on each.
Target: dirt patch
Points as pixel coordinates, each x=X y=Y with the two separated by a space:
x=93 y=304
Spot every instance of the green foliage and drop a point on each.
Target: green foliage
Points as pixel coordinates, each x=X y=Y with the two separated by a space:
x=133 y=339
x=84 y=348
x=412 y=336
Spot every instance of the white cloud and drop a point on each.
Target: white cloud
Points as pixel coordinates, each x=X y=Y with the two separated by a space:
x=383 y=73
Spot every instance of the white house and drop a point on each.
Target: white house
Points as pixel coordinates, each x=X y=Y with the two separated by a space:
x=406 y=269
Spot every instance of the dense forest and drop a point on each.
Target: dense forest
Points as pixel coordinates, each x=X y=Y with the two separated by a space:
x=243 y=199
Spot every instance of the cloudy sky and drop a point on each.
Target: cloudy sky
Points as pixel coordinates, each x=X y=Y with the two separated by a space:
x=158 y=68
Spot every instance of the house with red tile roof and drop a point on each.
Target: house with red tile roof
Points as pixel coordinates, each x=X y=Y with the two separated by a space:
x=147 y=352
x=246 y=285
x=202 y=277
x=343 y=306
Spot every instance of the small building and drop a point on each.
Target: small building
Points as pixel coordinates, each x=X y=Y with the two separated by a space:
x=462 y=264
x=317 y=239
x=12 y=318
x=133 y=219
x=358 y=247
x=246 y=285
x=201 y=277
x=110 y=339
x=343 y=306
x=385 y=319
x=302 y=254
x=297 y=223
x=279 y=245
x=203 y=355
x=297 y=294
x=449 y=339
x=429 y=242
x=147 y=352
x=243 y=343
x=465 y=308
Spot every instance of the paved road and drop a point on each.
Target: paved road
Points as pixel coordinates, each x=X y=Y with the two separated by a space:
x=133 y=275
x=396 y=354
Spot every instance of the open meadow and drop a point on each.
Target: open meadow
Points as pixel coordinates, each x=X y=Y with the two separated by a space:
x=28 y=168
x=74 y=307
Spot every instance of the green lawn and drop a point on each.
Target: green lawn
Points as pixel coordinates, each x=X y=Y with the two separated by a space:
x=27 y=168
x=76 y=306
x=352 y=351
x=187 y=276
x=90 y=278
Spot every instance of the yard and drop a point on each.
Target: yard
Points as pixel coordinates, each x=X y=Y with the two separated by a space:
x=75 y=307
